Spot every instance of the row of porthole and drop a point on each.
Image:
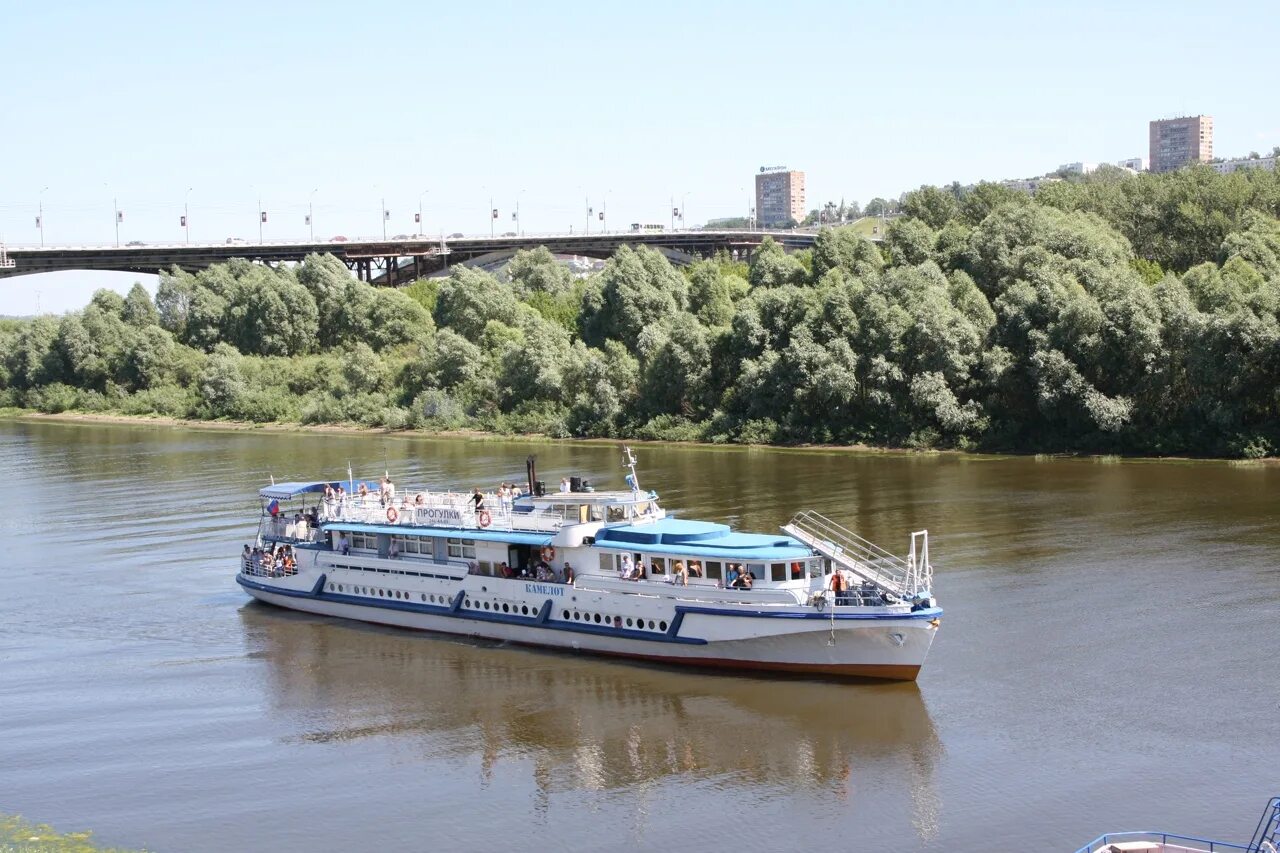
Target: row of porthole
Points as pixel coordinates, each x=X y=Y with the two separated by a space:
x=505 y=607
x=615 y=621
x=368 y=590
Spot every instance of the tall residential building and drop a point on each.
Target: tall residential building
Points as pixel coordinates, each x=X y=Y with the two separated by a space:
x=1175 y=142
x=779 y=196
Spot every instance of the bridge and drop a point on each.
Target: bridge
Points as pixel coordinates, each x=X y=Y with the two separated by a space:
x=390 y=262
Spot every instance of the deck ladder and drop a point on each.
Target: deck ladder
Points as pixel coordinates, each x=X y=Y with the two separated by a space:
x=1267 y=836
x=847 y=550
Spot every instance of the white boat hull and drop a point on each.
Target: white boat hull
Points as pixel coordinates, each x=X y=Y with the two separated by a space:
x=867 y=644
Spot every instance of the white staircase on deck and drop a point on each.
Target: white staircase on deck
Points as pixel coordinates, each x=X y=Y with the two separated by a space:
x=847 y=550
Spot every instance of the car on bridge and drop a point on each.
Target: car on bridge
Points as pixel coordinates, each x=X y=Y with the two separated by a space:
x=337 y=238
x=235 y=241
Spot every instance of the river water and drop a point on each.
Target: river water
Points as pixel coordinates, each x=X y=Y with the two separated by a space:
x=1107 y=660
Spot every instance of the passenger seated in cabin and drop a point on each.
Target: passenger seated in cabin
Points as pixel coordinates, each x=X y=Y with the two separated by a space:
x=731 y=577
x=695 y=568
x=624 y=567
x=637 y=573
x=505 y=571
x=746 y=580
x=680 y=574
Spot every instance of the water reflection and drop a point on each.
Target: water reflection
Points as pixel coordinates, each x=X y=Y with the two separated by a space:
x=590 y=725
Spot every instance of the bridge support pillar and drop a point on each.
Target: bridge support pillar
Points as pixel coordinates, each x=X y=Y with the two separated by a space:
x=391 y=272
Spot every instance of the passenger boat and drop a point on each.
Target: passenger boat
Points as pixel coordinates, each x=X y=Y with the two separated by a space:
x=559 y=570
x=1266 y=839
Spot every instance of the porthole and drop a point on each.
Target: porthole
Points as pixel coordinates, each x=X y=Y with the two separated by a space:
x=577 y=616
x=596 y=618
x=506 y=608
x=486 y=605
x=566 y=614
x=466 y=602
x=650 y=624
x=662 y=626
x=628 y=621
x=424 y=596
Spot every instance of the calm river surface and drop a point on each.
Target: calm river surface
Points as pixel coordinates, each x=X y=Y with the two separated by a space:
x=1107 y=660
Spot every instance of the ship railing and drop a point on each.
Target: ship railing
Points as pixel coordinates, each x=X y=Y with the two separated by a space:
x=259 y=569
x=454 y=510
x=1168 y=843
x=290 y=530
x=866 y=560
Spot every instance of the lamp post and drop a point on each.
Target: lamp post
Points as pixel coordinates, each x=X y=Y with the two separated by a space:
x=40 y=216
x=493 y=216
x=311 y=214
x=590 y=213
x=119 y=218
x=385 y=217
x=186 y=215
x=420 y=195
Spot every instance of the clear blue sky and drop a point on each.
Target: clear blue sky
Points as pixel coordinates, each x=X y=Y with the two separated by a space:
x=552 y=103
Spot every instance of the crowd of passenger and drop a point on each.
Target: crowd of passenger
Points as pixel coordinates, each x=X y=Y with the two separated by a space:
x=274 y=560
x=737 y=575
x=538 y=570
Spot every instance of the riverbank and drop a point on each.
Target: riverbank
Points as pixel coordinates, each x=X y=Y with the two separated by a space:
x=481 y=435
x=22 y=836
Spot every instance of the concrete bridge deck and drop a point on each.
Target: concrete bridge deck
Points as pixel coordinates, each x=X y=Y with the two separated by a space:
x=389 y=261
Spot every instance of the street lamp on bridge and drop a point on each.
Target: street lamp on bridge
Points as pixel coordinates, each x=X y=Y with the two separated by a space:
x=418 y=222
x=119 y=218
x=186 y=215
x=40 y=216
x=386 y=214
x=262 y=219
x=311 y=214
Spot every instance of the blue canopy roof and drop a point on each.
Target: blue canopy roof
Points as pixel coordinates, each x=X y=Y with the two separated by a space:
x=284 y=491
x=513 y=537
x=700 y=539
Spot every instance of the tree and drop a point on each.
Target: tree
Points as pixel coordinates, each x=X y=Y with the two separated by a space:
x=637 y=288
x=932 y=206
x=469 y=299
x=771 y=266
x=139 y=310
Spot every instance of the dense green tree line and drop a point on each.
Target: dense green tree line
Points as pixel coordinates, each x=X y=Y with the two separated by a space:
x=1072 y=321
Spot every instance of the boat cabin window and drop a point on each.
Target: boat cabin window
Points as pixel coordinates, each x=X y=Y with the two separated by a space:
x=658 y=566
x=608 y=563
x=364 y=542
x=615 y=513
x=757 y=570
x=462 y=549
x=714 y=569
x=777 y=572
x=411 y=545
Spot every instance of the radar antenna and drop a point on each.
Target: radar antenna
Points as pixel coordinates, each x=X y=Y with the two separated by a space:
x=630 y=464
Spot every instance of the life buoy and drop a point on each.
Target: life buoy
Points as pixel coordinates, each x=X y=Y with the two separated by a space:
x=392 y=515
x=483 y=519
x=549 y=554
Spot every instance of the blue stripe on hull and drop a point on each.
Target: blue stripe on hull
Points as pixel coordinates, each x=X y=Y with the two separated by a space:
x=452 y=610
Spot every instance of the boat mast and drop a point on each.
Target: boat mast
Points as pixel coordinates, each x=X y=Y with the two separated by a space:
x=631 y=465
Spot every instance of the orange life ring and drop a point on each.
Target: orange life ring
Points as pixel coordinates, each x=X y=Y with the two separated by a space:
x=483 y=519
x=392 y=515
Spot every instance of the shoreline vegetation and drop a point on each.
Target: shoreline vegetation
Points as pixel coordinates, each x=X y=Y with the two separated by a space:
x=29 y=416
x=22 y=836
x=1110 y=314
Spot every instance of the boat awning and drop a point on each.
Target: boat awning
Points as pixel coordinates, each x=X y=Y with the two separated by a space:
x=513 y=537
x=285 y=491
x=700 y=539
